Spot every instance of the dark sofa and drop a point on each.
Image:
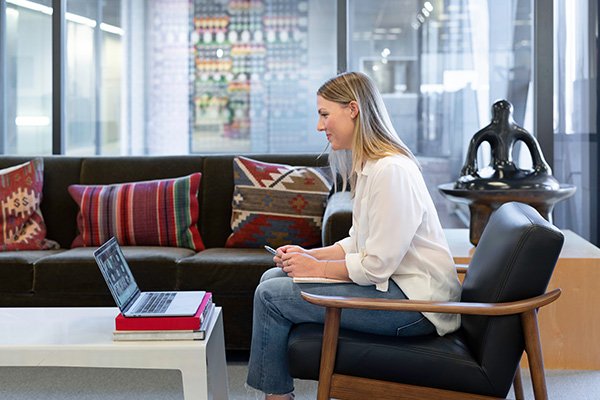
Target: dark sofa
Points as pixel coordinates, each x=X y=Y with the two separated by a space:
x=70 y=277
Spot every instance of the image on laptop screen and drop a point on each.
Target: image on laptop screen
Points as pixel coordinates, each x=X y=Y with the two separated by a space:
x=121 y=282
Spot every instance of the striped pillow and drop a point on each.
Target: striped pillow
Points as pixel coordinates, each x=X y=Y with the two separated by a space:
x=150 y=213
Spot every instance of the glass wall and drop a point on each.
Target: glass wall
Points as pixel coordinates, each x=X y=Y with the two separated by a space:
x=93 y=77
x=575 y=113
x=28 y=93
x=94 y=73
x=147 y=77
x=225 y=75
x=440 y=65
x=255 y=69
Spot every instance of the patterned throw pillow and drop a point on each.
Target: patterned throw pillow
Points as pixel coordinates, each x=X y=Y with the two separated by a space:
x=150 y=213
x=277 y=204
x=23 y=226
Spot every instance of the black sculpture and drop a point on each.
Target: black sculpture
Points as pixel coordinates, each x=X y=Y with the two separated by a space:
x=484 y=190
x=502 y=134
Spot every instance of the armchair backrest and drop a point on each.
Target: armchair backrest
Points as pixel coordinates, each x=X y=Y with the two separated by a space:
x=514 y=260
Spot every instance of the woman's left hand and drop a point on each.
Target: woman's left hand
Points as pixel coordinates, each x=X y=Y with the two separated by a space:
x=300 y=264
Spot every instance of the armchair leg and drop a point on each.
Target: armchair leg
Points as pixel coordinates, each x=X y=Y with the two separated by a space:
x=518 y=385
x=534 y=354
x=328 y=351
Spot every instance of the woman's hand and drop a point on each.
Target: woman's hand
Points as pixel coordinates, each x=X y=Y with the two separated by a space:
x=288 y=248
x=292 y=248
x=297 y=264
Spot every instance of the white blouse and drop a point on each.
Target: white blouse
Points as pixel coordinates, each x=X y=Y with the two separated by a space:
x=396 y=234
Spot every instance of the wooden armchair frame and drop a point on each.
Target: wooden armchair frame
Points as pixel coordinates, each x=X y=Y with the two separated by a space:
x=353 y=388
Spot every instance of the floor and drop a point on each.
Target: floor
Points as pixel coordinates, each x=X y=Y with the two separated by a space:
x=110 y=384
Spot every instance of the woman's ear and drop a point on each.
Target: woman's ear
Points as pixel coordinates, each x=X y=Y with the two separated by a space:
x=353 y=109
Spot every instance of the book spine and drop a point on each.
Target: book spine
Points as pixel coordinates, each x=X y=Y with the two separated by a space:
x=207 y=306
x=161 y=335
x=208 y=317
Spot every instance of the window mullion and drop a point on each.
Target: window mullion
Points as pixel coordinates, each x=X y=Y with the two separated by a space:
x=543 y=79
x=3 y=88
x=342 y=36
x=58 y=74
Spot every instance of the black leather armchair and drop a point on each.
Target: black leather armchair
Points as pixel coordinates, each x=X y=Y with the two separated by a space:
x=503 y=288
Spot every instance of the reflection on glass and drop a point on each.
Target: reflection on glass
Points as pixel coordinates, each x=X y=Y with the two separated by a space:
x=93 y=78
x=575 y=133
x=256 y=66
x=111 y=92
x=80 y=101
x=440 y=65
x=29 y=78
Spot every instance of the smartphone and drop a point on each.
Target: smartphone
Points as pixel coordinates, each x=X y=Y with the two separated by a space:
x=271 y=250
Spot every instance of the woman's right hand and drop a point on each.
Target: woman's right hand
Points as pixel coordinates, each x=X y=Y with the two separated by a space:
x=288 y=248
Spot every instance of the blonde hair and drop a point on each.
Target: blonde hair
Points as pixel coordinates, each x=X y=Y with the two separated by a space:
x=374 y=135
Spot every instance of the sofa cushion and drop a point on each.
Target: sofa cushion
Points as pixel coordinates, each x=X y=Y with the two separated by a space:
x=75 y=271
x=16 y=269
x=148 y=213
x=277 y=204
x=21 y=220
x=223 y=270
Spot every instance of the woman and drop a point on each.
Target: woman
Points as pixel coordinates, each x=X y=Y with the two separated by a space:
x=396 y=248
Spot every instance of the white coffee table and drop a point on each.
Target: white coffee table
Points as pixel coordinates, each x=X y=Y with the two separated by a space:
x=82 y=337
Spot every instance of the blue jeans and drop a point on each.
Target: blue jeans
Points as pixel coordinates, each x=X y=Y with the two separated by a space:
x=278 y=306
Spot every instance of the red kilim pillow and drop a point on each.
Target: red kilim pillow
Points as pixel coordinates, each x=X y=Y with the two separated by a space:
x=277 y=204
x=150 y=213
x=23 y=226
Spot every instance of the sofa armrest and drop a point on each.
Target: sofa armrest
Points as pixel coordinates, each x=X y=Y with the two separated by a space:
x=337 y=219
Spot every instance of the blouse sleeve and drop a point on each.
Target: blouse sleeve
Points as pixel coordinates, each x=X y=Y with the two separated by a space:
x=395 y=213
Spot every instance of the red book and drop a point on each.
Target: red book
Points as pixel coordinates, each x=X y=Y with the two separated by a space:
x=191 y=322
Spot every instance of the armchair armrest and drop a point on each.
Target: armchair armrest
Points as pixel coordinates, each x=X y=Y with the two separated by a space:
x=337 y=219
x=509 y=308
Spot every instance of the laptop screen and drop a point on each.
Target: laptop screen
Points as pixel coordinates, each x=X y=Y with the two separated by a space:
x=116 y=272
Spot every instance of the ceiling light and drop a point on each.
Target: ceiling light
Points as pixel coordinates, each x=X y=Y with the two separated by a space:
x=32 y=121
x=111 y=29
x=30 y=5
x=80 y=20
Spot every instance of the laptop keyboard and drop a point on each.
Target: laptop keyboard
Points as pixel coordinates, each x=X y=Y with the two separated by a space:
x=155 y=303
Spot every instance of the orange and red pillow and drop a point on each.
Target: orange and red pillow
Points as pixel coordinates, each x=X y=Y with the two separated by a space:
x=277 y=204
x=149 y=213
x=21 y=220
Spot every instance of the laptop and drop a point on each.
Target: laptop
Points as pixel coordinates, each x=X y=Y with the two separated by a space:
x=131 y=301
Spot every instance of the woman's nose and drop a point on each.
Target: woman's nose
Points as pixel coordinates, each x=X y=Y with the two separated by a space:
x=320 y=126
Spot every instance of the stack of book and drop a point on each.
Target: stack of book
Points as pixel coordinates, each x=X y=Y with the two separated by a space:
x=166 y=328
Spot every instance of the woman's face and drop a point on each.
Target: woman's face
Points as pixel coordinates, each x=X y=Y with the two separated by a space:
x=337 y=121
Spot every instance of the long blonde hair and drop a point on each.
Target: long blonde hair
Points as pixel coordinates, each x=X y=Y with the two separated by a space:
x=374 y=135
